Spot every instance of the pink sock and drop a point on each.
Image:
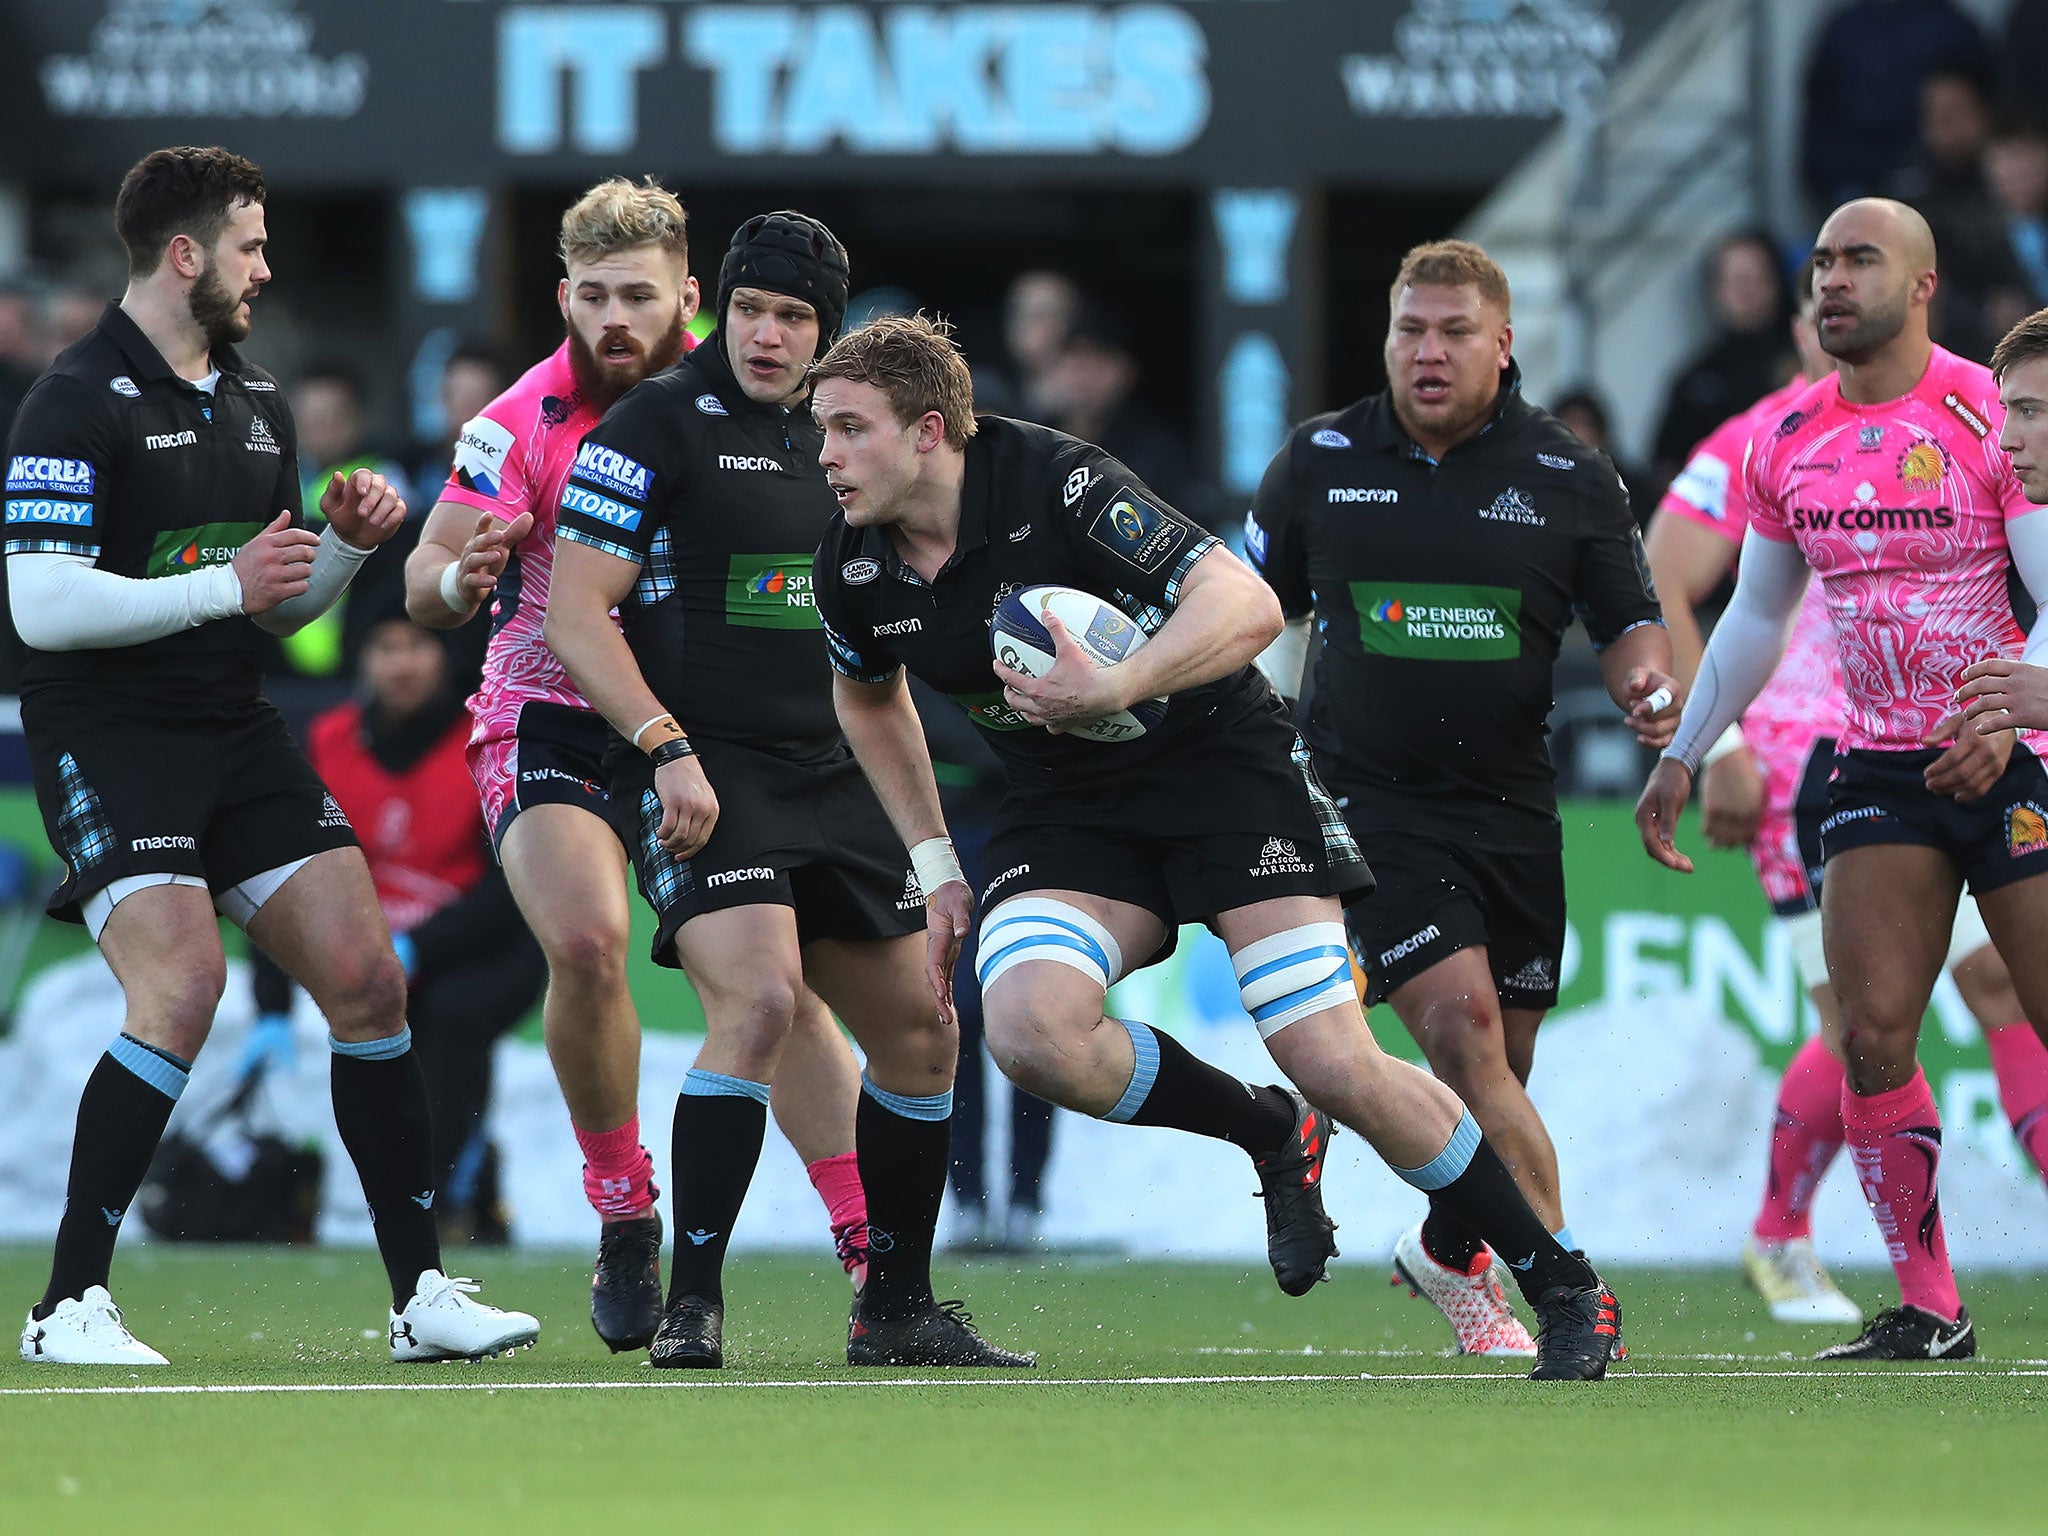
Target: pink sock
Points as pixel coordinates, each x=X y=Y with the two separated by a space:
x=1895 y=1145
x=2021 y=1062
x=1805 y=1136
x=618 y=1175
x=837 y=1181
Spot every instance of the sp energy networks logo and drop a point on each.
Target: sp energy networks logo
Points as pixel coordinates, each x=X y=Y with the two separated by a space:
x=770 y=592
x=1438 y=621
x=189 y=549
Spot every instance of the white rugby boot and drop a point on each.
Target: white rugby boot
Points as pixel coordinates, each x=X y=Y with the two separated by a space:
x=1475 y=1304
x=442 y=1323
x=1794 y=1283
x=87 y=1331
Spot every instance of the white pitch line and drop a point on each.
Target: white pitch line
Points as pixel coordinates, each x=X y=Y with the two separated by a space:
x=1315 y=1352
x=253 y=1389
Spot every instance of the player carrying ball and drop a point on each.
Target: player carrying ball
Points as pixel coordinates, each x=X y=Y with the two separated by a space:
x=1102 y=849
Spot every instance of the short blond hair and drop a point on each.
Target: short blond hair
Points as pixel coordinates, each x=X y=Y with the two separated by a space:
x=1453 y=264
x=913 y=360
x=619 y=215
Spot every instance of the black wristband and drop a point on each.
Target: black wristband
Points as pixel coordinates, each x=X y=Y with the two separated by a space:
x=675 y=747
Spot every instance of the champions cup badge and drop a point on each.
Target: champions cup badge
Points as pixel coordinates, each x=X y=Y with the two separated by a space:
x=2026 y=830
x=1921 y=467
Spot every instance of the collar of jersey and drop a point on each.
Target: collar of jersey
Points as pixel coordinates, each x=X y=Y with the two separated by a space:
x=709 y=358
x=143 y=357
x=975 y=490
x=1387 y=431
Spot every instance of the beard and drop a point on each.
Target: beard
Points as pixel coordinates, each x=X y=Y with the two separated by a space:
x=603 y=383
x=1876 y=325
x=216 y=312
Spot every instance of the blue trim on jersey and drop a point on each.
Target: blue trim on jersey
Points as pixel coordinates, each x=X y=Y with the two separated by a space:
x=593 y=541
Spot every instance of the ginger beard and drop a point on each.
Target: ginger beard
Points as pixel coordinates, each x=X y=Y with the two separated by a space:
x=603 y=380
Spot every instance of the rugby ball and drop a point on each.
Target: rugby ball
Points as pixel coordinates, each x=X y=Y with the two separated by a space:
x=1019 y=639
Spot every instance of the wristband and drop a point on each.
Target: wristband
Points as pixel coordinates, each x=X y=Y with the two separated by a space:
x=648 y=725
x=936 y=863
x=1728 y=741
x=451 y=589
x=668 y=751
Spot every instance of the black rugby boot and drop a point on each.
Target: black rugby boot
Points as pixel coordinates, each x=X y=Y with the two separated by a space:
x=625 y=1290
x=1300 y=1238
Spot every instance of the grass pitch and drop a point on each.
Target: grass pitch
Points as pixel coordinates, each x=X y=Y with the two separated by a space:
x=1184 y=1398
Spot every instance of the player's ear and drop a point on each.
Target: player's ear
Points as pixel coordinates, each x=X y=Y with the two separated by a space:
x=562 y=296
x=931 y=431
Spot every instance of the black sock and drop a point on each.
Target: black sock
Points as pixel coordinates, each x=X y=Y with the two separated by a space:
x=380 y=1109
x=1471 y=1183
x=717 y=1142
x=121 y=1118
x=1448 y=1240
x=1171 y=1086
x=902 y=1144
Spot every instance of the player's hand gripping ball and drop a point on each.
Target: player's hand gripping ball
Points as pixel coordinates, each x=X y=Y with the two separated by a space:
x=1019 y=640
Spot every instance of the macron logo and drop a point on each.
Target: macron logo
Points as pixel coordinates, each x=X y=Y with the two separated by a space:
x=170 y=440
x=748 y=461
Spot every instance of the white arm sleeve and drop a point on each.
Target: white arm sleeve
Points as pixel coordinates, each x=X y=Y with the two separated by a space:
x=66 y=603
x=2028 y=539
x=334 y=567
x=1746 y=644
x=1286 y=659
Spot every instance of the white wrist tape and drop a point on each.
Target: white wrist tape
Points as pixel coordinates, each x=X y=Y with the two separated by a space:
x=936 y=863
x=1728 y=741
x=451 y=589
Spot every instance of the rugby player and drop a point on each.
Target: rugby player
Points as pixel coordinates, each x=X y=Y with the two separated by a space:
x=538 y=748
x=1440 y=536
x=1999 y=692
x=153 y=524
x=1102 y=849
x=1765 y=788
x=1913 y=544
x=692 y=508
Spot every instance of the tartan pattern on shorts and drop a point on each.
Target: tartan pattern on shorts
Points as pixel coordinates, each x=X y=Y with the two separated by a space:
x=664 y=878
x=1339 y=846
x=82 y=820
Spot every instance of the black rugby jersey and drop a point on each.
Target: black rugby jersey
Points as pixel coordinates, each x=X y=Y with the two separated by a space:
x=1442 y=592
x=720 y=501
x=1037 y=507
x=114 y=457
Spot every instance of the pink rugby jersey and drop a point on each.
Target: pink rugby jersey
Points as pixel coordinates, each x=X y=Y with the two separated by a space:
x=512 y=459
x=1900 y=508
x=1803 y=700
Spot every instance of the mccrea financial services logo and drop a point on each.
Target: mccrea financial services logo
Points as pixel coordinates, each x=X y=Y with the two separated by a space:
x=203 y=58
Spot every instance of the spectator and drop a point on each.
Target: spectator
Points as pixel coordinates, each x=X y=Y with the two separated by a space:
x=1748 y=357
x=2016 y=172
x=1862 y=91
x=396 y=763
x=471 y=379
x=1037 y=312
x=1584 y=413
x=1946 y=182
x=1090 y=392
x=330 y=409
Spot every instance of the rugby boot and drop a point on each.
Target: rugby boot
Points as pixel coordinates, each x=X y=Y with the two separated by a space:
x=1794 y=1284
x=1909 y=1333
x=1472 y=1301
x=85 y=1330
x=1300 y=1237
x=940 y=1333
x=1577 y=1329
x=440 y=1322
x=625 y=1288
x=691 y=1336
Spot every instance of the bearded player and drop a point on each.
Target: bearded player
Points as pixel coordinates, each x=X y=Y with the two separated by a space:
x=1913 y=546
x=538 y=747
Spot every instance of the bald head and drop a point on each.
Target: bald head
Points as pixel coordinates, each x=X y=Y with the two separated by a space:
x=1894 y=226
x=1873 y=275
